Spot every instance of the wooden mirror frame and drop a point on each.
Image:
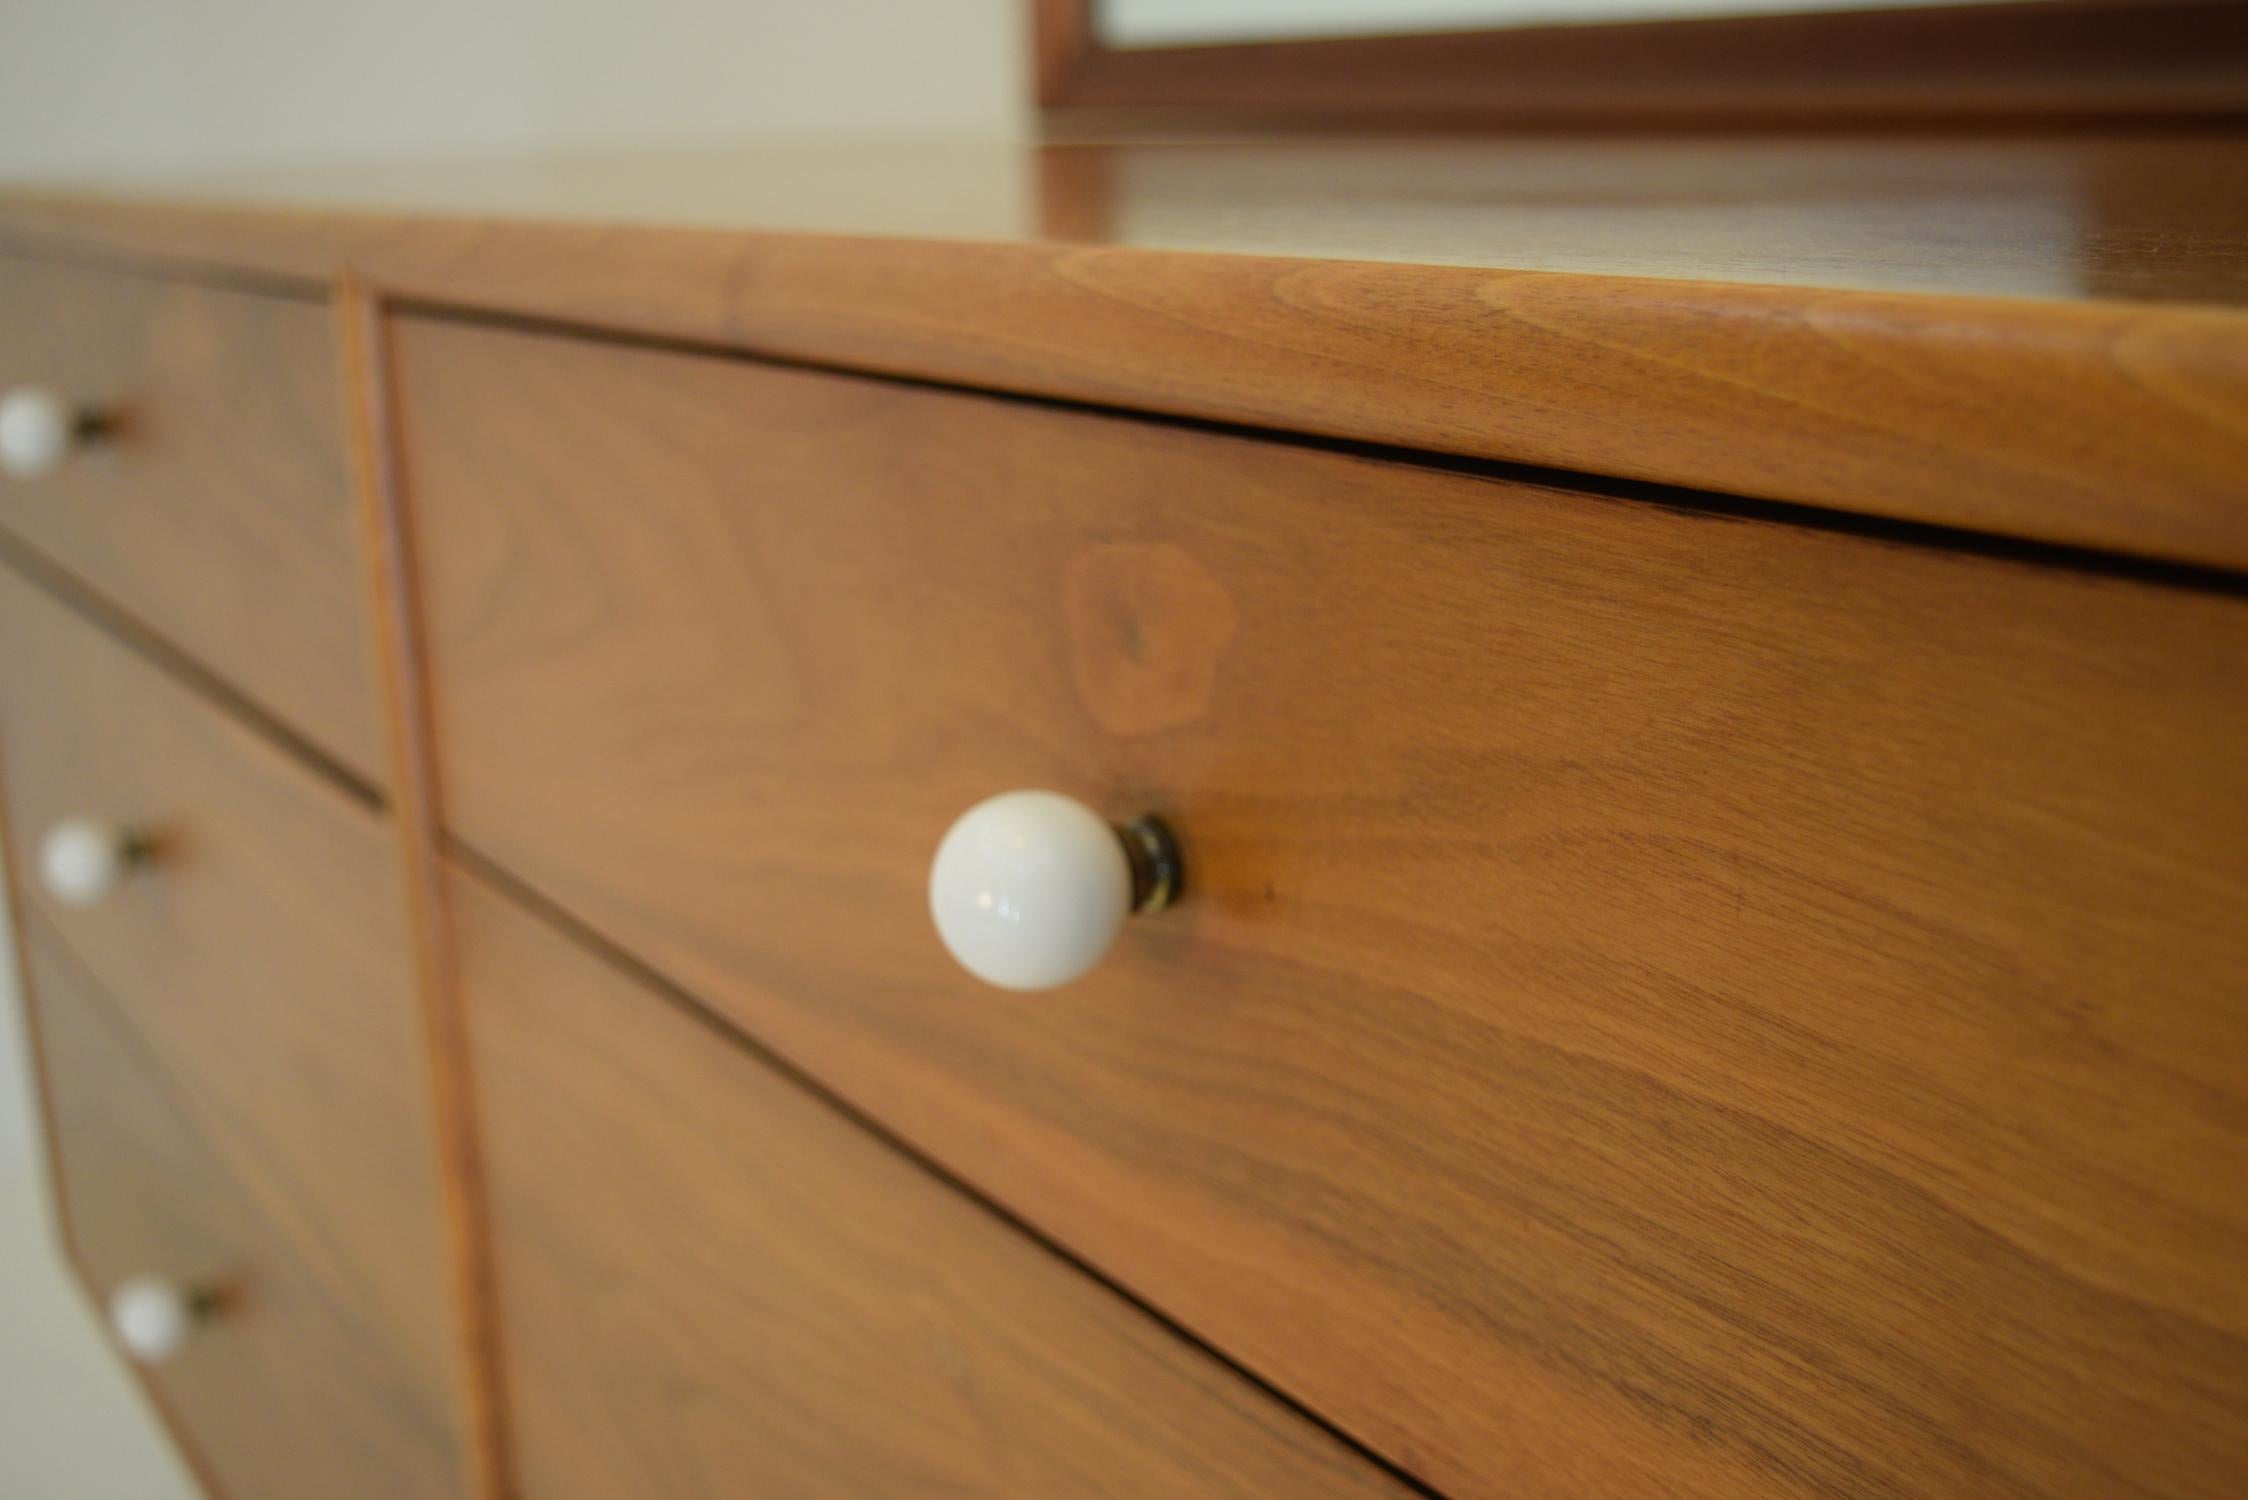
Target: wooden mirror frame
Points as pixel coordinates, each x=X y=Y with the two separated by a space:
x=2028 y=61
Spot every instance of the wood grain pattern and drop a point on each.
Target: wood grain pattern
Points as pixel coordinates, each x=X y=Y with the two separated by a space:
x=388 y=570
x=714 y=1285
x=2045 y=61
x=1614 y=310
x=219 y=515
x=1670 y=1004
x=263 y=956
x=47 y=1133
x=287 y=1394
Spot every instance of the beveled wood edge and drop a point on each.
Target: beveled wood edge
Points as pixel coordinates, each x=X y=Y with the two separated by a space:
x=387 y=569
x=2033 y=62
x=1374 y=352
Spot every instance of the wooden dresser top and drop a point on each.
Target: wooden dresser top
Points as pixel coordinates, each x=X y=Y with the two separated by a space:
x=2031 y=336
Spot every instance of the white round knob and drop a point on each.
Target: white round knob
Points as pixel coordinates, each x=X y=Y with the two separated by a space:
x=153 y=1318
x=37 y=428
x=81 y=860
x=1029 y=889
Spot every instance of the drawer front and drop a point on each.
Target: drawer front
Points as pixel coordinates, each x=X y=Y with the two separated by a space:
x=261 y=952
x=281 y=1393
x=218 y=514
x=711 y=1284
x=1665 y=1003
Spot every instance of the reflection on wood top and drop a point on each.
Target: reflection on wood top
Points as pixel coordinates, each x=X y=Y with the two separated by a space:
x=2034 y=335
x=2153 y=216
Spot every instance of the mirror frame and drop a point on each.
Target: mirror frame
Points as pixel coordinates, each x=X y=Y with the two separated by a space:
x=2033 y=62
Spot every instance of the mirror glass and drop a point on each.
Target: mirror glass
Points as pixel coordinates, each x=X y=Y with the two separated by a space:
x=1185 y=23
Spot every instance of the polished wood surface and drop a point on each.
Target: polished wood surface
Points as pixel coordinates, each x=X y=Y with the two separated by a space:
x=2038 y=337
x=2045 y=61
x=219 y=515
x=262 y=956
x=2064 y=216
x=1668 y=1003
x=386 y=554
x=714 y=1285
x=285 y=1395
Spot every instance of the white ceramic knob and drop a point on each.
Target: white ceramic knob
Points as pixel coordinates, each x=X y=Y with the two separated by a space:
x=81 y=860
x=153 y=1318
x=37 y=428
x=1030 y=888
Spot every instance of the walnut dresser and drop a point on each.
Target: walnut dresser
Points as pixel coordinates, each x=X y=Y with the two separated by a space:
x=1634 y=876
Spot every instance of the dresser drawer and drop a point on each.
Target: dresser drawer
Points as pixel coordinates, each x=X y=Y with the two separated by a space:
x=1665 y=1003
x=260 y=951
x=712 y=1284
x=282 y=1392
x=217 y=513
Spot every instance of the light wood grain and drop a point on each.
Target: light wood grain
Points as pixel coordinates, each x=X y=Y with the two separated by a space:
x=262 y=956
x=387 y=564
x=219 y=514
x=713 y=1285
x=1914 y=329
x=285 y=1395
x=1668 y=1004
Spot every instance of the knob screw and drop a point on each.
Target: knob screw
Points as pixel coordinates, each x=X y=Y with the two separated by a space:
x=1158 y=872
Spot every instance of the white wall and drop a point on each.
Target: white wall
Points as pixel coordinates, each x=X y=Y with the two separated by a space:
x=97 y=85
